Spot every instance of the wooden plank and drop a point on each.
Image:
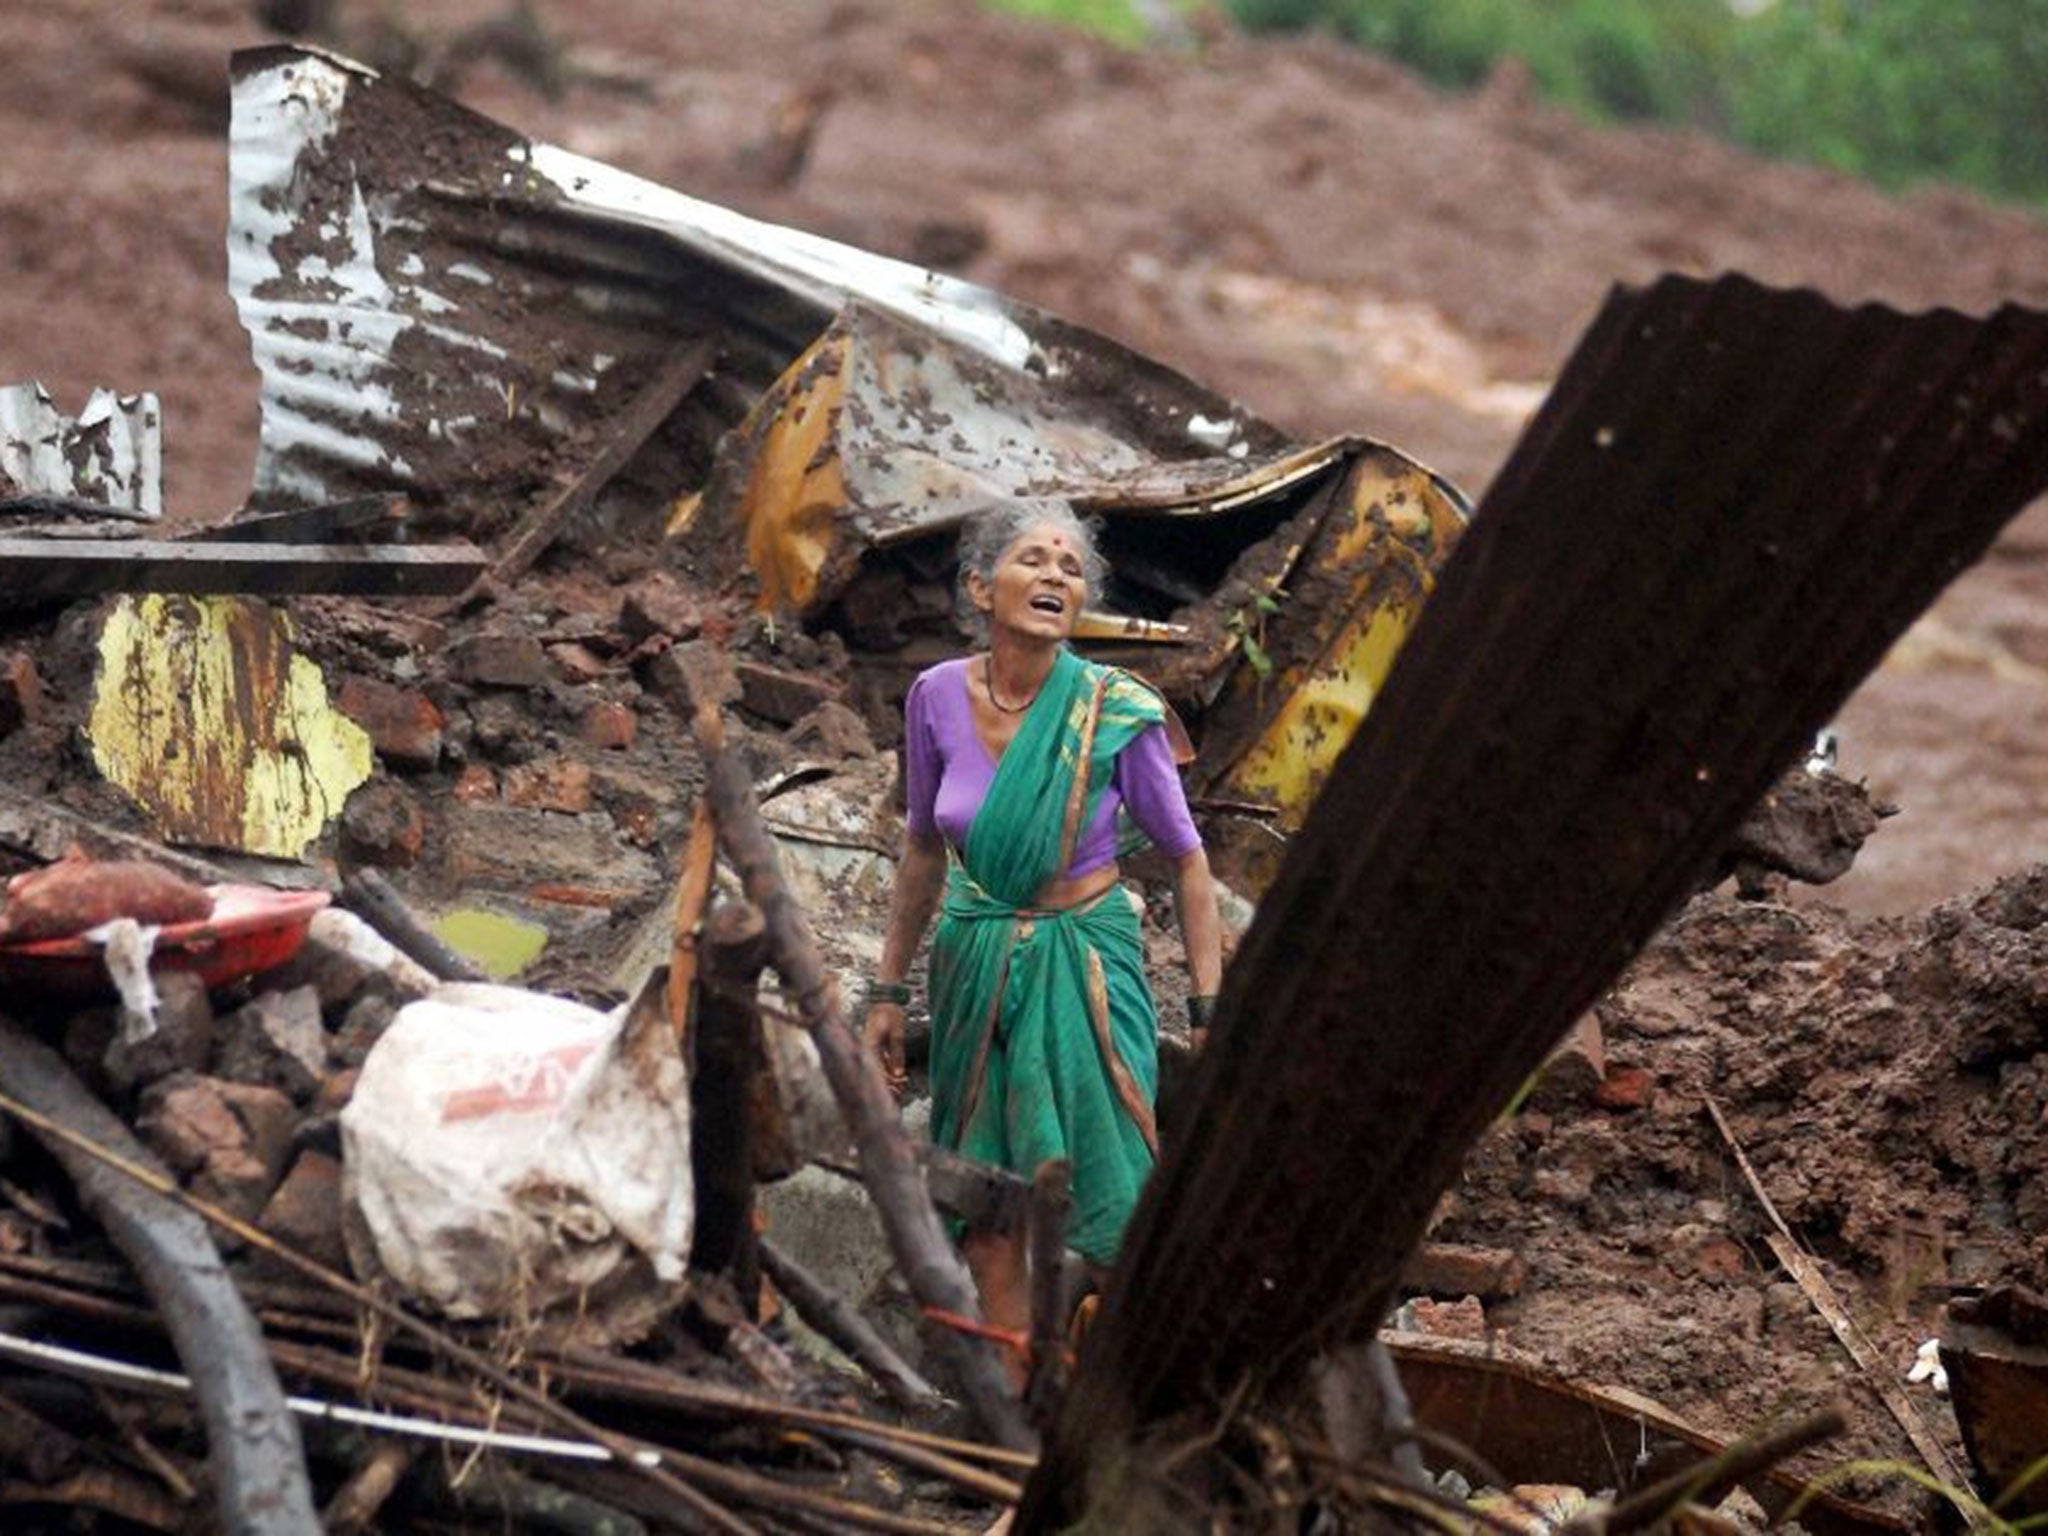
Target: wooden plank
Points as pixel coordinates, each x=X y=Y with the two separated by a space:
x=1801 y=1266
x=39 y=568
x=330 y=522
x=636 y=424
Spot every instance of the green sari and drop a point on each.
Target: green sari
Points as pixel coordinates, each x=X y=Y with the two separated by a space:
x=1044 y=1038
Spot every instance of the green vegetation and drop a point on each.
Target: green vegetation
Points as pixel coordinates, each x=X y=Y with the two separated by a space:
x=1115 y=19
x=1899 y=91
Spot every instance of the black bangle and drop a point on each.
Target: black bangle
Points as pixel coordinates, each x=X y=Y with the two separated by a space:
x=897 y=992
x=1201 y=1011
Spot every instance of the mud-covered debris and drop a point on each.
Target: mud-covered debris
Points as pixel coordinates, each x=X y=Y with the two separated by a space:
x=381 y=825
x=1809 y=826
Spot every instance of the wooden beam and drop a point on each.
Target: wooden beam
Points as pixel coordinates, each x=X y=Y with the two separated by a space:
x=330 y=522
x=635 y=425
x=41 y=568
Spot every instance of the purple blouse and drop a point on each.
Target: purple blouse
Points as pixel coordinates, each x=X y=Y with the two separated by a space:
x=947 y=772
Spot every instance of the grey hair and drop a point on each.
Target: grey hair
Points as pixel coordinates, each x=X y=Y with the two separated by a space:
x=988 y=535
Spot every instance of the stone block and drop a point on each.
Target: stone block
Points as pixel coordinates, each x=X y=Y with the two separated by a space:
x=182 y=1040
x=276 y=1040
x=404 y=724
x=1465 y=1269
x=499 y=659
x=781 y=695
x=475 y=785
x=554 y=784
x=368 y=1016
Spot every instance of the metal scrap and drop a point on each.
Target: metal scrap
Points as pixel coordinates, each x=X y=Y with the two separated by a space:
x=111 y=454
x=207 y=714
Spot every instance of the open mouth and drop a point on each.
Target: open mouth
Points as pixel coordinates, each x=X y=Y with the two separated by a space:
x=1046 y=602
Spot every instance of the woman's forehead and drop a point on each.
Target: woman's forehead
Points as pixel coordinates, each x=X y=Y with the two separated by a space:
x=1044 y=536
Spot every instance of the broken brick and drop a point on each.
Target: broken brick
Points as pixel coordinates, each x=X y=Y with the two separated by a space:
x=183 y=1037
x=381 y=825
x=21 y=691
x=609 y=726
x=305 y=1212
x=476 y=783
x=696 y=672
x=276 y=1039
x=780 y=695
x=499 y=659
x=230 y=1140
x=403 y=724
x=1625 y=1089
x=659 y=606
x=1462 y=1319
x=578 y=662
x=834 y=731
x=1464 y=1269
x=560 y=784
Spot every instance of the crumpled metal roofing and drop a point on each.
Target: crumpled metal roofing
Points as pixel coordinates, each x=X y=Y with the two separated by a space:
x=424 y=287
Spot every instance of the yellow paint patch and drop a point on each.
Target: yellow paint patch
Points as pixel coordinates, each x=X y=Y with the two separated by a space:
x=206 y=713
x=795 y=496
x=503 y=946
x=1316 y=721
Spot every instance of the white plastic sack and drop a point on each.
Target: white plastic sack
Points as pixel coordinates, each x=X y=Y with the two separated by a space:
x=506 y=1150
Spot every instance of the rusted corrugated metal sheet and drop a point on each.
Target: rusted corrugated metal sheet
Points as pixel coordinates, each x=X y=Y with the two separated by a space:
x=1734 y=501
x=430 y=294
x=442 y=307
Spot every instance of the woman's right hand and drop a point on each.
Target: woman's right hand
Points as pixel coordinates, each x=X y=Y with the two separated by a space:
x=883 y=1033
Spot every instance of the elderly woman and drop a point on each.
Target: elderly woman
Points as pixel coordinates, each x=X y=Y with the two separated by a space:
x=1026 y=764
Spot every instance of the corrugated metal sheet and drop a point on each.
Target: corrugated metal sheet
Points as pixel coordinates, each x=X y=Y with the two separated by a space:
x=428 y=294
x=1734 y=500
x=112 y=452
x=436 y=304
